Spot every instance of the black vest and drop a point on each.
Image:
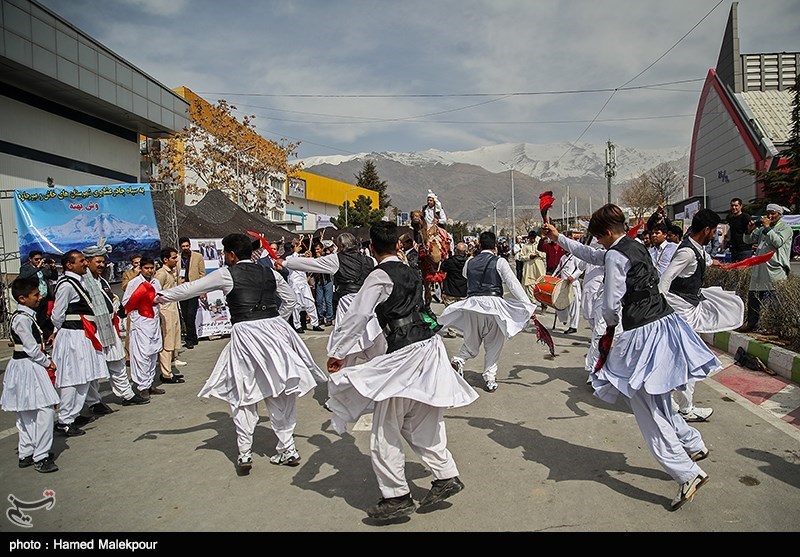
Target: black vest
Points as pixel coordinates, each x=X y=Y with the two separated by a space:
x=482 y=276
x=400 y=314
x=253 y=293
x=688 y=288
x=642 y=302
x=81 y=307
x=353 y=269
x=19 y=353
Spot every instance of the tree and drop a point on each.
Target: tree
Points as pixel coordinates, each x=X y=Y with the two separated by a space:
x=458 y=229
x=217 y=151
x=782 y=185
x=665 y=181
x=640 y=196
x=527 y=220
x=368 y=178
x=360 y=213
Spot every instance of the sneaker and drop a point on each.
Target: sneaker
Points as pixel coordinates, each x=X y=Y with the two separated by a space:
x=458 y=366
x=289 y=457
x=45 y=465
x=28 y=460
x=688 y=489
x=392 y=507
x=491 y=386
x=136 y=399
x=244 y=463
x=180 y=363
x=69 y=430
x=699 y=455
x=101 y=409
x=697 y=414
x=441 y=490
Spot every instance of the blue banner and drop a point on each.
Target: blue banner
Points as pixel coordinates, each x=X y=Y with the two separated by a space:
x=56 y=220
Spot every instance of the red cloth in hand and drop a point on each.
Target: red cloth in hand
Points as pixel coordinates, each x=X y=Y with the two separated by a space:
x=90 y=330
x=604 y=347
x=142 y=300
x=52 y=375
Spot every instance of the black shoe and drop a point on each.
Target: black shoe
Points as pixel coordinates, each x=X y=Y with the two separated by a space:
x=156 y=391
x=243 y=465
x=570 y=331
x=441 y=490
x=28 y=460
x=299 y=331
x=135 y=399
x=393 y=507
x=70 y=430
x=178 y=375
x=318 y=328
x=101 y=409
x=83 y=420
x=45 y=465
x=172 y=379
x=190 y=345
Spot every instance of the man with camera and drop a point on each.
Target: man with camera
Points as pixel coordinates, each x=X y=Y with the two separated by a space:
x=768 y=233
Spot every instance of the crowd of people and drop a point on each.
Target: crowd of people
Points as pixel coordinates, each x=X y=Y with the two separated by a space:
x=642 y=297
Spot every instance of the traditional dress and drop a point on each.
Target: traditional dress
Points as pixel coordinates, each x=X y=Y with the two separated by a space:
x=265 y=358
x=485 y=317
x=27 y=388
x=145 y=332
x=298 y=281
x=656 y=353
x=408 y=388
x=170 y=320
x=706 y=310
x=570 y=267
x=79 y=360
x=533 y=266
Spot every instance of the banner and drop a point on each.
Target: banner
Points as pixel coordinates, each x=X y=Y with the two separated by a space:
x=212 y=312
x=56 y=220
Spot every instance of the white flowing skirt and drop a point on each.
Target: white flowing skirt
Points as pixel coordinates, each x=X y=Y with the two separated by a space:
x=658 y=357
x=721 y=310
x=367 y=339
x=420 y=371
x=263 y=359
x=77 y=362
x=26 y=386
x=512 y=315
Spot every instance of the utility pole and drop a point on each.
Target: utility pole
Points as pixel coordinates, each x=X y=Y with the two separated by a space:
x=494 y=216
x=513 y=206
x=611 y=165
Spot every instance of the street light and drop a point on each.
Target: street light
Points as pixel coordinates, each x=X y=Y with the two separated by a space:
x=513 y=206
x=346 y=203
x=494 y=216
x=705 y=206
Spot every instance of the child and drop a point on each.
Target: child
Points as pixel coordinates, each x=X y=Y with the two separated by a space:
x=27 y=387
x=655 y=353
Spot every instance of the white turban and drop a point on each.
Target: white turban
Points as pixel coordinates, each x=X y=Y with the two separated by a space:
x=777 y=208
x=96 y=251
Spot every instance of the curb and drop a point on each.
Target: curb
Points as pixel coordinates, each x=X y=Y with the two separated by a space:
x=780 y=360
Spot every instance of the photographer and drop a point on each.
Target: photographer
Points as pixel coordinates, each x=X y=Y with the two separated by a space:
x=768 y=233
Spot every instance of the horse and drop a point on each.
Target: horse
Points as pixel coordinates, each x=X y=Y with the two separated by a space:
x=433 y=246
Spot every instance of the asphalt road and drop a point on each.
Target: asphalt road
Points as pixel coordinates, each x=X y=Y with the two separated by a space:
x=541 y=454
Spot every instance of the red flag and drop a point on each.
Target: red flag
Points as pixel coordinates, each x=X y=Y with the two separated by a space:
x=546 y=201
x=632 y=232
x=749 y=262
x=264 y=244
x=142 y=300
x=544 y=336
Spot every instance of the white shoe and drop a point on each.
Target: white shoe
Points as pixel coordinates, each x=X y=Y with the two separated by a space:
x=180 y=363
x=491 y=386
x=699 y=455
x=697 y=414
x=289 y=457
x=458 y=366
x=688 y=489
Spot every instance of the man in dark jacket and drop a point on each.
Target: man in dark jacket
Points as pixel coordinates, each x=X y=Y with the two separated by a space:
x=454 y=286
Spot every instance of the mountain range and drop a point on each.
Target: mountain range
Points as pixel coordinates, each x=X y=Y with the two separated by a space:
x=470 y=183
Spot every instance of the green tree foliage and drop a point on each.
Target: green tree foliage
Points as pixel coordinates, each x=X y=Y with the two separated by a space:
x=782 y=185
x=360 y=213
x=368 y=178
x=458 y=229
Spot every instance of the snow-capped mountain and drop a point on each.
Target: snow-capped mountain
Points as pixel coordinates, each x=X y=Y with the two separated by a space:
x=469 y=183
x=86 y=228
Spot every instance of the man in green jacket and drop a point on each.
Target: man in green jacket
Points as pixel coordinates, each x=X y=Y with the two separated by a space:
x=768 y=233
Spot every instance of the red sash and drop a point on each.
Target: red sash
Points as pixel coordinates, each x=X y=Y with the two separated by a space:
x=142 y=300
x=90 y=330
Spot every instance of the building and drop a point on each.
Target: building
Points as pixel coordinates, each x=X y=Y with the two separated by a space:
x=743 y=121
x=72 y=111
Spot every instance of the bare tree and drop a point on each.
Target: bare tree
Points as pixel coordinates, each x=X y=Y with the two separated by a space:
x=528 y=220
x=665 y=181
x=640 y=196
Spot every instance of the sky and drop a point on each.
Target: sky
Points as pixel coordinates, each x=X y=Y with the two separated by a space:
x=352 y=76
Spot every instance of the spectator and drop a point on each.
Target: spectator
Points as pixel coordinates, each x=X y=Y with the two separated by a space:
x=768 y=234
x=553 y=253
x=517 y=260
x=674 y=234
x=191 y=268
x=660 y=215
x=737 y=228
x=170 y=319
x=323 y=285
x=533 y=265
x=454 y=286
x=661 y=250
x=44 y=274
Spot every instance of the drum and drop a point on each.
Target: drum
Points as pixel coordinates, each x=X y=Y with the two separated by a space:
x=553 y=292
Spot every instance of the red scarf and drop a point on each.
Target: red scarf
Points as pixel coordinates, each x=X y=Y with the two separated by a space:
x=142 y=300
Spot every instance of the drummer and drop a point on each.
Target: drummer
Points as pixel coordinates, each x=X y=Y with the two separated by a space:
x=570 y=269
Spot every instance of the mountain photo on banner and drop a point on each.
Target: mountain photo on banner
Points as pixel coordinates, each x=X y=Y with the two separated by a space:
x=56 y=220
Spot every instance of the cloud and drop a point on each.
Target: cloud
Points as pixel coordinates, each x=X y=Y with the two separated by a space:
x=157 y=7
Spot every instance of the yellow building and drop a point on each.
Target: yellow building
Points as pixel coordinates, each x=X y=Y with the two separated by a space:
x=312 y=199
